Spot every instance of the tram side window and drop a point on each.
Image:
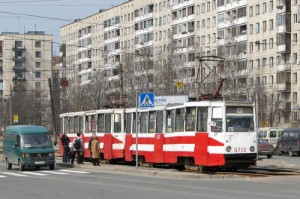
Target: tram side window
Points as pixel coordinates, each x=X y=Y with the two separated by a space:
x=170 y=121
x=71 y=125
x=76 y=130
x=128 y=123
x=144 y=122
x=93 y=123
x=133 y=123
x=87 y=124
x=107 y=123
x=80 y=124
x=202 y=115
x=117 y=123
x=216 y=119
x=179 y=124
x=159 y=121
x=190 y=119
x=100 y=123
x=152 y=120
x=64 y=124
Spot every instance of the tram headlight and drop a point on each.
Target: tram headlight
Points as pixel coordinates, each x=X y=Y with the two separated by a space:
x=228 y=149
x=252 y=148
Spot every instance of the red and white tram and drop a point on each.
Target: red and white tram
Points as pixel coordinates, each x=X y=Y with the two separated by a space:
x=202 y=134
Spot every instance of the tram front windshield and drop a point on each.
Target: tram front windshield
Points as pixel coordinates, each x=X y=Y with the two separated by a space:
x=239 y=119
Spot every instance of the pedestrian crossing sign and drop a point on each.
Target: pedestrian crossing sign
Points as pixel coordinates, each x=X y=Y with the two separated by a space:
x=146 y=100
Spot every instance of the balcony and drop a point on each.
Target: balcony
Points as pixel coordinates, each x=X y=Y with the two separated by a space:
x=18 y=68
x=284 y=48
x=19 y=58
x=283 y=87
x=19 y=79
x=285 y=106
x=18 y=48
x=283 y=67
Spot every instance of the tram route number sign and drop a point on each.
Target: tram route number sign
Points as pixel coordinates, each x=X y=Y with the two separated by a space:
x=147 y=100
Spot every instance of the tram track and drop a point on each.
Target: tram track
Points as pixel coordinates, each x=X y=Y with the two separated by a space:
x=251 y=172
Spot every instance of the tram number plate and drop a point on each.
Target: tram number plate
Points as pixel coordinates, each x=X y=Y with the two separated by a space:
x=239 y=149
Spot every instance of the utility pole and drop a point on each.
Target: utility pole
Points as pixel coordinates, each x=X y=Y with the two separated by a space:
x=52 y=109
x=10 y=106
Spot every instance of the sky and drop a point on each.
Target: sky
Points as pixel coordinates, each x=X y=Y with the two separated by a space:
x=47 y=15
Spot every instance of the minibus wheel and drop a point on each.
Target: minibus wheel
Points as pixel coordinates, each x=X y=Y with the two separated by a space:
x=8 y=165
x=21 y=166
x=51 y=167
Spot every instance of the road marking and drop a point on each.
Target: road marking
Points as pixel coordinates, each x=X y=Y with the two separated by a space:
x=72 y=171
x=55 y=172
x=14 y=174
x=2 y=176
x=37 y=174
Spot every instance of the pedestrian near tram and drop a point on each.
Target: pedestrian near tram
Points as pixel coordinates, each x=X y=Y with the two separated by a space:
x=95 y=150
x=65 y=140
x=77 y=149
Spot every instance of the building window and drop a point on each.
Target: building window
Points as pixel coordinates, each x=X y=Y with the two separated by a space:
x=37 y=85
x=251 y=47
x=37 y=74
x=271 y=41
x=264 y=8
x=38 y=64
x=295 y=78
x=264 y=62
x=38 y=54
x=271 y=24
x=264 y=26
x=251 y=29
x=271 y=6
x=295 y=38
x=264 y=80
x=295 y=98
x=257 y=9
x=271 y=81
x=271 y=62
x=37 y=94
x=295 y=58
x=257 y=28
x=38 y=44
x=250 y=11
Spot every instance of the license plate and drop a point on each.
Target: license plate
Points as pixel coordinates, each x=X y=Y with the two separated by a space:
x=40 y=162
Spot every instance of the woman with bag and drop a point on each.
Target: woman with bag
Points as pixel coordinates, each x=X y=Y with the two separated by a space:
x=95 y=150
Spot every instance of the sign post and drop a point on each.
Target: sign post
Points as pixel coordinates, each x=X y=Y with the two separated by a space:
x=146 y=100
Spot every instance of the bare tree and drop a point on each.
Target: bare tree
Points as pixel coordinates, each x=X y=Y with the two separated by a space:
x=96 y=91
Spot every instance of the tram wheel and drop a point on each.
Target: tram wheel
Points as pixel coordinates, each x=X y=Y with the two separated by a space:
x=187 y=164
x=201 y=169
x=291 y=152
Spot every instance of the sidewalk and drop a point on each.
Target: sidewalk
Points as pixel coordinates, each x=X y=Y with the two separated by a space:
x=174 y=173
x=146 y=171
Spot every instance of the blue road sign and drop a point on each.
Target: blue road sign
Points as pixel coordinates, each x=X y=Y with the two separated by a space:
x=146 y=100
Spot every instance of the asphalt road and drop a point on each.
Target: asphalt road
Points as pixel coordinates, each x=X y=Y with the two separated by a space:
x=76 y=183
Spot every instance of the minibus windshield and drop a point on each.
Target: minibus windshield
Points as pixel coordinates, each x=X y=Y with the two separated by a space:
x=35 y=140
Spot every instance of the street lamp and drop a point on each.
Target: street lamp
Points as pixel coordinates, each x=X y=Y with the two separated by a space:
x=52 y=105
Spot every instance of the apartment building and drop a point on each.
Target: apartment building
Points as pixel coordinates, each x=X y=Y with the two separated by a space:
x=257 y=38
x=25 y=66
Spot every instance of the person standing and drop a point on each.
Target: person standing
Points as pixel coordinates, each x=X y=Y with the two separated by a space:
x=77 y=148
x=95 y=150
x=65 y=140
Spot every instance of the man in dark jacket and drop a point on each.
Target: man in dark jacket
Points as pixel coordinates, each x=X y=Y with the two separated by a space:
x=65 y=144
x=77 y=149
